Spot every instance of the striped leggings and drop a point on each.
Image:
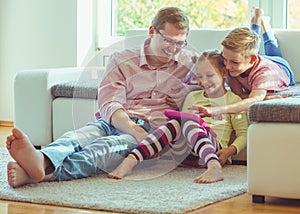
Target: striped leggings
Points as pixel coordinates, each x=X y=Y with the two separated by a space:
x=188 y=141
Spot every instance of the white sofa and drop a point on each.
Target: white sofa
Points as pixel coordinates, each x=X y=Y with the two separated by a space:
x=273 y=136
x=272 y=148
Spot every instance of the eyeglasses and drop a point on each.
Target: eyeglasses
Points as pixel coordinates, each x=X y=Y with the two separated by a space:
x=171 y=41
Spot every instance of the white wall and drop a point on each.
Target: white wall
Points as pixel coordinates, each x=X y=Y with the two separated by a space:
x=86 y=31
x=34 y=34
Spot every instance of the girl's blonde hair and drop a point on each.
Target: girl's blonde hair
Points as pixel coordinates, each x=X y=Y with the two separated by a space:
x=214 y=57
x=242 y=40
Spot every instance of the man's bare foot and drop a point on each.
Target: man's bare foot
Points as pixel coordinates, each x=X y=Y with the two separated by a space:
x=212 y=174
x=27 y=157
x=17 y=176
x=125 y=168
x=257 y=14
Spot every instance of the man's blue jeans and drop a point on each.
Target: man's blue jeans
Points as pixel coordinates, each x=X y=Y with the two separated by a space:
x=94 y=149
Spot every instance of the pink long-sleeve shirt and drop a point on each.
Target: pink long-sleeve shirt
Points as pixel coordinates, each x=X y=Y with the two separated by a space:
x=266 y=75
x=131 y=84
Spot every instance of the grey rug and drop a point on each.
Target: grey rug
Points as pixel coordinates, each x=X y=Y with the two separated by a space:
x=151 y=190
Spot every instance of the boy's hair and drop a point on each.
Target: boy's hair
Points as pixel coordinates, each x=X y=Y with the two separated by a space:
x=242 y=40
x=214 y=57
x=171 y=15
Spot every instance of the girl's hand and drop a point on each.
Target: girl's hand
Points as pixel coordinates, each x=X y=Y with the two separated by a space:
x=224 y=154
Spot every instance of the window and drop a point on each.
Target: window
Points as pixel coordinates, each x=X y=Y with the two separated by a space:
x=202 y=14
x=293 y=15
x=115 y=17
x=214 y=14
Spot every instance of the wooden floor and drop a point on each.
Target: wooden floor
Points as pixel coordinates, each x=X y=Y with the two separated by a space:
x=237 y=205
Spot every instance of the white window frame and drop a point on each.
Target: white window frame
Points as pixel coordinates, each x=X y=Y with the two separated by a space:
x=104 y=26
x=276 y=9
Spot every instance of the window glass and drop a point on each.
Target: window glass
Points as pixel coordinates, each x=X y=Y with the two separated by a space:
x=293 y=16
x=202 y=13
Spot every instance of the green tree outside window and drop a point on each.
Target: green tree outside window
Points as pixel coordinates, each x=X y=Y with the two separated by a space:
x=201 y=13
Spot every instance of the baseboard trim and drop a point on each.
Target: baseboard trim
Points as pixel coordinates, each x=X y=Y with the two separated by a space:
x=6 y=123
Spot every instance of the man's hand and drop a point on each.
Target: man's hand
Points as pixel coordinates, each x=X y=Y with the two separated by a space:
x=122 y=122
x=176 y=94
x=140 y=134
x=172 y=103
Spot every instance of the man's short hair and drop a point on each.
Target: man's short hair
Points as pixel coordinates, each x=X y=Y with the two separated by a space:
x=171 y=15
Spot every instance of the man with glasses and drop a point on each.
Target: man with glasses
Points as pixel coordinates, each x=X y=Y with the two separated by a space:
x=177 y=44
x=137 y=86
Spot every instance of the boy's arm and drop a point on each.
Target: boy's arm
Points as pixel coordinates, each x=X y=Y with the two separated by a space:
x=243 y=105
x=238 y=107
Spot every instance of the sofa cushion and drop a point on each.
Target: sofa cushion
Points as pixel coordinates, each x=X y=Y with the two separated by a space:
x=76 y=89
x=276 y=110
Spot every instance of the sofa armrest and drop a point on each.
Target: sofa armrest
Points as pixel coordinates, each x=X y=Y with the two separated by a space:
x=33 y=100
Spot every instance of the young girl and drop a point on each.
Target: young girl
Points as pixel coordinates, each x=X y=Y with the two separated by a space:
x=250 y=75
x=191 y=140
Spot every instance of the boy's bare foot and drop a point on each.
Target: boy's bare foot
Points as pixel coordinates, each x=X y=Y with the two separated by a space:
x=17 y=176
x=257 y=14
x=212 y=174
x=125 y=168
x=265 y=24
x=27 y=157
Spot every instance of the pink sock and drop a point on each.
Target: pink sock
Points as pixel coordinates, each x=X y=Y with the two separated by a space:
x=184 y=116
